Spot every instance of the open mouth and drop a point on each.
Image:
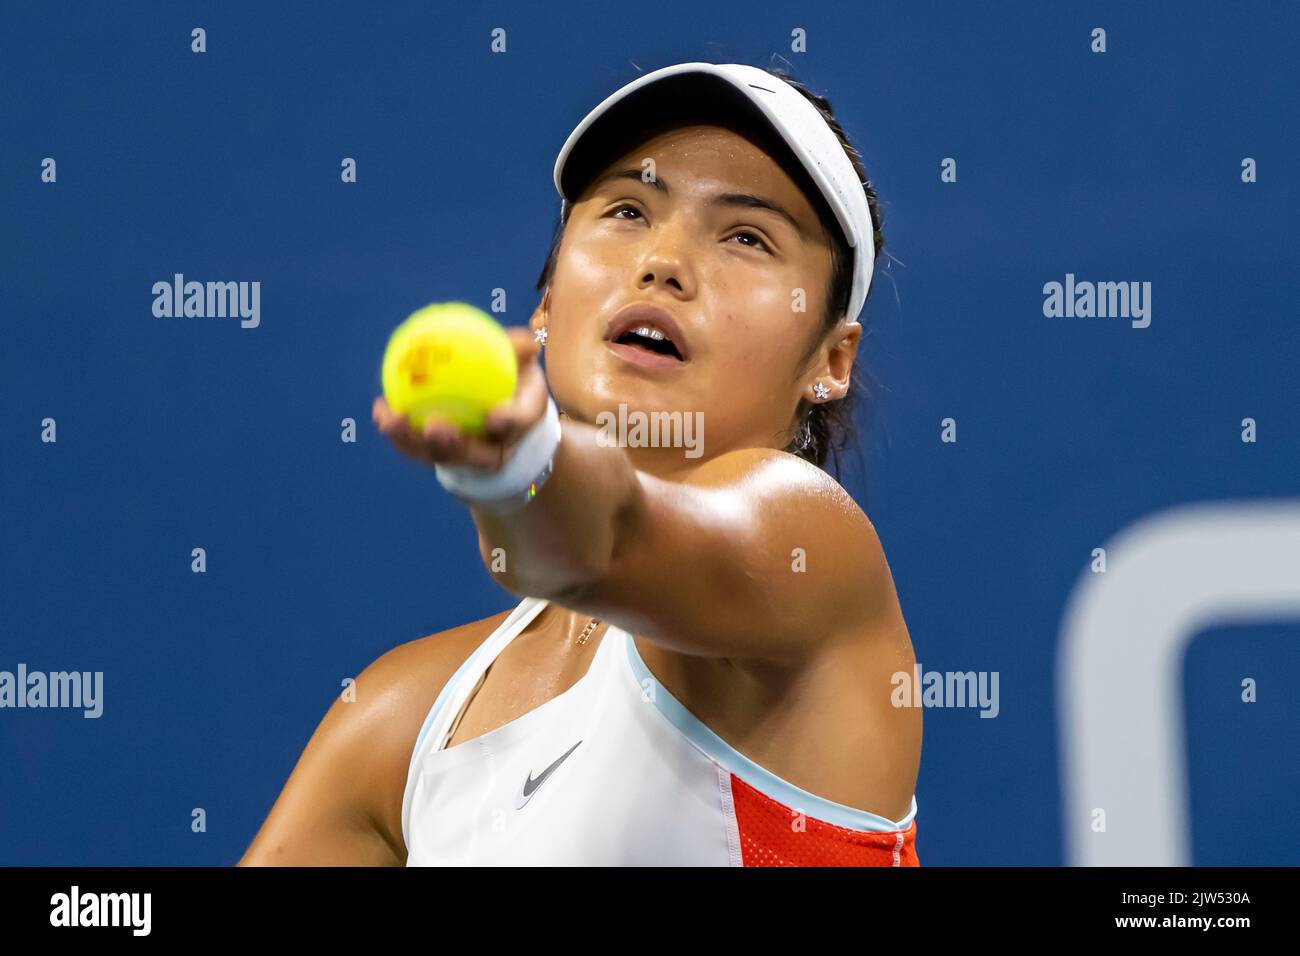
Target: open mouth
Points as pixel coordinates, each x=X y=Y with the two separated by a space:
x=651 y=339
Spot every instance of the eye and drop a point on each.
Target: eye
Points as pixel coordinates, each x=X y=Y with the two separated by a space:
x=627 y=206
x=757 y=243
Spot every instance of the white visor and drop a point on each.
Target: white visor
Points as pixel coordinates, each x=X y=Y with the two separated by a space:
x=786 y=111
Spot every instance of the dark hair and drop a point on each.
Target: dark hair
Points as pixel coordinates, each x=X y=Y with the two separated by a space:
x=822 y=429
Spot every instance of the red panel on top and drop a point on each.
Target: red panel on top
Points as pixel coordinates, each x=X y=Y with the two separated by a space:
x=772 y=834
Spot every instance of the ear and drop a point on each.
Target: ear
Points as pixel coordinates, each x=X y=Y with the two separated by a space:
x=835 y=363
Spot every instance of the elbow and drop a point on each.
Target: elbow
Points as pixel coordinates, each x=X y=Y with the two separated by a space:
x=552 y=576
x=575 y=593
x=560 y=584
x=560 y=563
x=556 y=572
x=604 y=559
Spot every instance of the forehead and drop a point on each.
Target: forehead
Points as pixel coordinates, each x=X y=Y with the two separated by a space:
x=708 y=150
x=700 y=160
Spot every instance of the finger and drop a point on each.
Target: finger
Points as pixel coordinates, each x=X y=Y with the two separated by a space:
x=410 y=442
x=528 y=400
x=439 y=431
x=444 y=442
x=513 y=416
x=379 y=410
x=389 y=422
x=525 y=343
x=415 y=448
x=509 y=420
x=476 y=453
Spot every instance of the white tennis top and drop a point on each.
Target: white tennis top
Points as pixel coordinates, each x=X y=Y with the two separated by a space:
x=614 y=772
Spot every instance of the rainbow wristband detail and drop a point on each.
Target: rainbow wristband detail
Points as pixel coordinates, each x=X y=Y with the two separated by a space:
x=518 y=481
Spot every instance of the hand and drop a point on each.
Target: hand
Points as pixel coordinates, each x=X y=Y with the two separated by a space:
x=442 y=442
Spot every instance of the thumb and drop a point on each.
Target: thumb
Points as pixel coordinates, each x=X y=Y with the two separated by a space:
x=525 y=343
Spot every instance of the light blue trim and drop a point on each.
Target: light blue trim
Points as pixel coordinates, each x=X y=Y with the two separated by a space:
x=732 y=760
x=440 y=701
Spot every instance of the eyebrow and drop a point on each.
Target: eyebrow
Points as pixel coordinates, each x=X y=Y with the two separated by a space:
x=730 y=200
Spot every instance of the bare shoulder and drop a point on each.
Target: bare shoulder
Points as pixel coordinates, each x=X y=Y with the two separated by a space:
x=342 y=804
x=809 y=523
x=394 y=695
x=409 y=668
x=791 y=493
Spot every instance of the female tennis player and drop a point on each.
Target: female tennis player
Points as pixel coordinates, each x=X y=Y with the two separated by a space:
x=700 y=669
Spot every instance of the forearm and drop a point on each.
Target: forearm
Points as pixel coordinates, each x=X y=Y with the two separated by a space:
x=564 y=538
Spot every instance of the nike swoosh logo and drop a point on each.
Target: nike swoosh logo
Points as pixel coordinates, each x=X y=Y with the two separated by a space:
x=531 y=783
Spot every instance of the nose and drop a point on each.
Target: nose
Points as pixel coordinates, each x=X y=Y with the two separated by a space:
x=666 y=263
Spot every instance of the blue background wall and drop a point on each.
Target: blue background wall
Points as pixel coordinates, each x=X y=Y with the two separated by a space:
x=183 y=433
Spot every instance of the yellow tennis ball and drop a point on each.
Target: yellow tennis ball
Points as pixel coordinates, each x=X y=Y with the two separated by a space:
x=448 y=360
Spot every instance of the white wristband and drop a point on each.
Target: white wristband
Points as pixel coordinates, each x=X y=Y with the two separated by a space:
x=516 y=481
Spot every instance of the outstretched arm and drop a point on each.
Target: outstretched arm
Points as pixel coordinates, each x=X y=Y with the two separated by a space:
x=753 y=554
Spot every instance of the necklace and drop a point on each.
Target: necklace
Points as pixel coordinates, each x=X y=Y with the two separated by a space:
x=586 y=631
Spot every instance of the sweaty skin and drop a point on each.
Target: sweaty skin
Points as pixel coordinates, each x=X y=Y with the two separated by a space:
x=694 y=556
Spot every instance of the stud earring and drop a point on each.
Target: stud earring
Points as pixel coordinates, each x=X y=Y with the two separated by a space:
x=540 y=335
x=821 y=391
